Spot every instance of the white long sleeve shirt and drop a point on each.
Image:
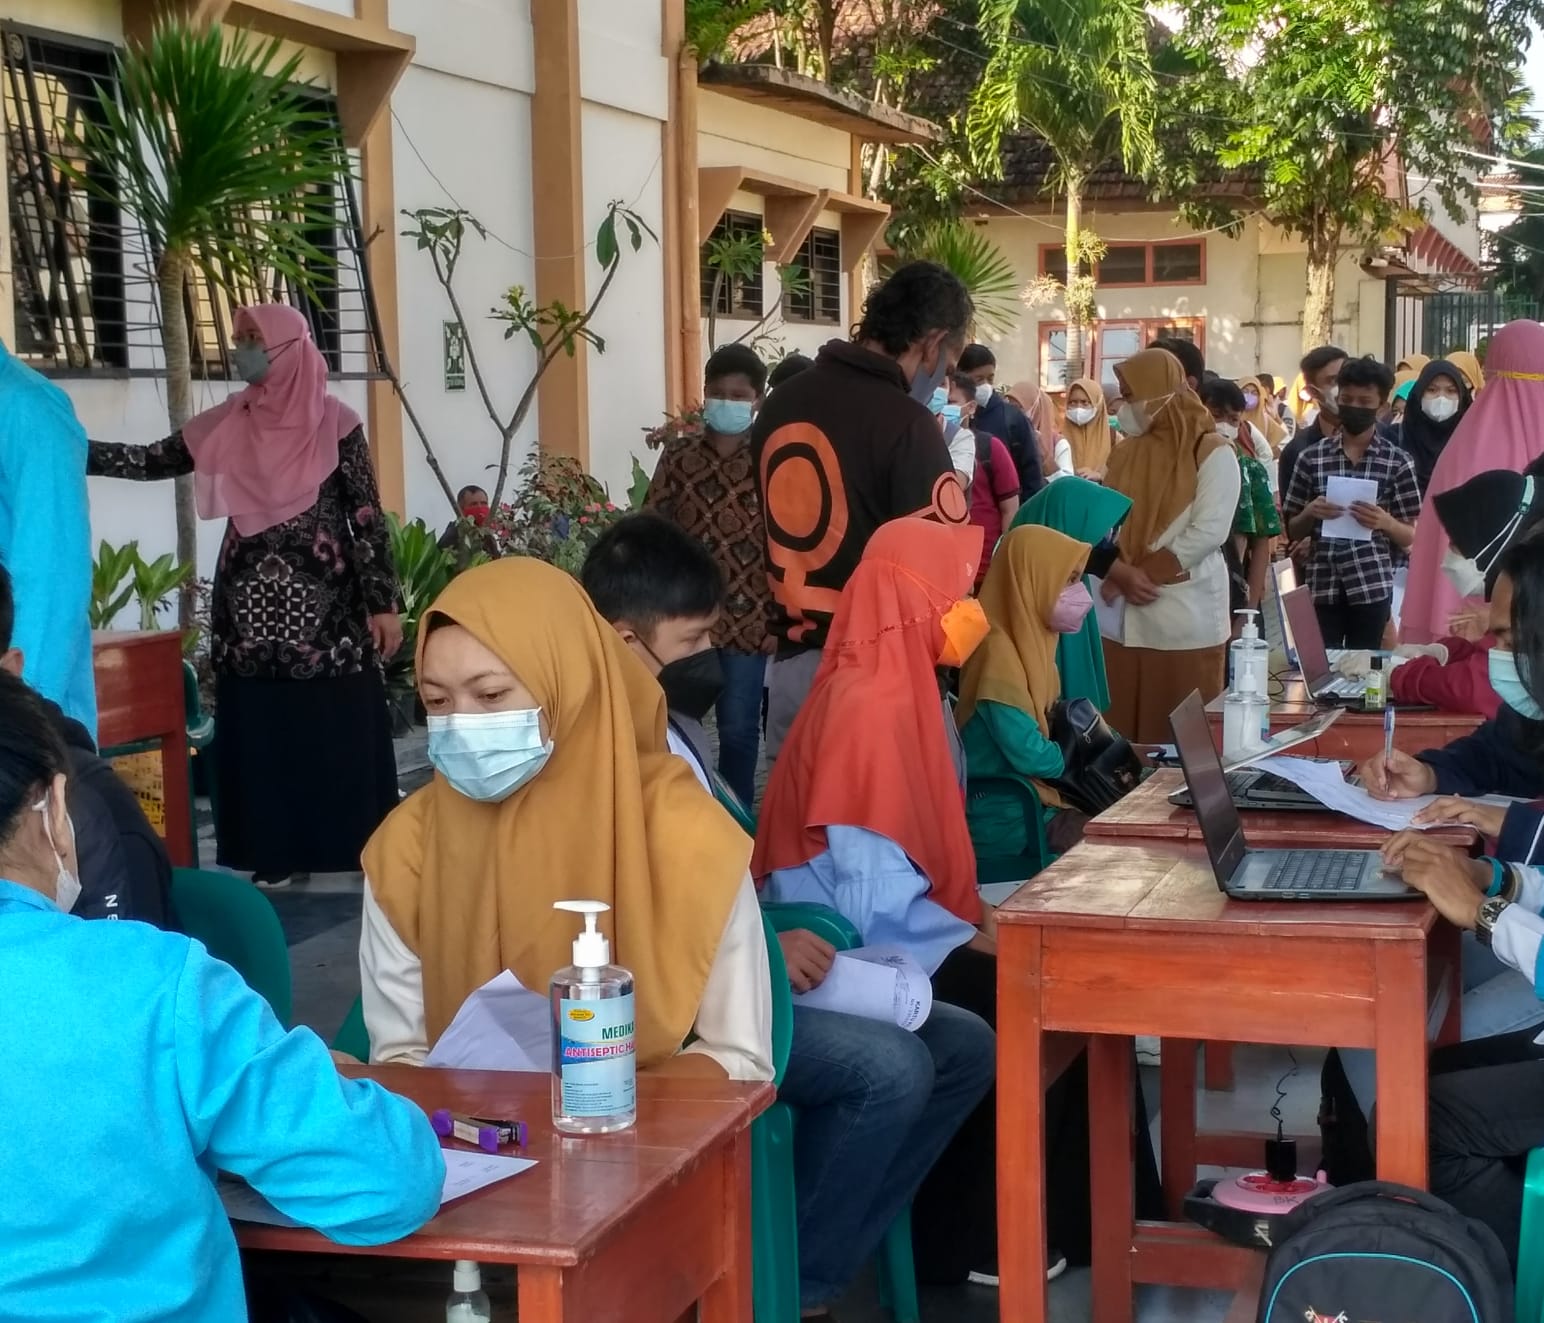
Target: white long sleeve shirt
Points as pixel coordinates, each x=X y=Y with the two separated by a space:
x=1519 y=931
x=733 y=1025
x=1194 y=613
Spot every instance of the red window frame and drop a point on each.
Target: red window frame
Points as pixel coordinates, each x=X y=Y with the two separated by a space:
x=1046 y=249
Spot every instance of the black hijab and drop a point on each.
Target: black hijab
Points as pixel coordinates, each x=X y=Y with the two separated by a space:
x=1423 y=439
x=1484 y=516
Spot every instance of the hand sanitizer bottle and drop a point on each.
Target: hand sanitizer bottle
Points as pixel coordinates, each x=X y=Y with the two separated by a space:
x=1375 y=696
x=1241 y=719
x=1252 y=653
x=594 y=1060
x=468 y=1303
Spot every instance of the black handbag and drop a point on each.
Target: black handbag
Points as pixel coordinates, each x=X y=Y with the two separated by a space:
x=1099 y=764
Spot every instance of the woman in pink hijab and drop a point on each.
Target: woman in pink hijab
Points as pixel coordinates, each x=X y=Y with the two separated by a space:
x=1503 y=429
x=304 y=610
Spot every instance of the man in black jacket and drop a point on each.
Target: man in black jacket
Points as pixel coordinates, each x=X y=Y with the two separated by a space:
x=999 y=416
x=125 y=872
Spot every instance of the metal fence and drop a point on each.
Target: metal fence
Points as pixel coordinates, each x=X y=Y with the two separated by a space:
x=1467 y=319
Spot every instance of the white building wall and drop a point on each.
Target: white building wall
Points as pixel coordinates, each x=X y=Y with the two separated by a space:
x=733 y=132
x=1250 y=302
x=461 y=138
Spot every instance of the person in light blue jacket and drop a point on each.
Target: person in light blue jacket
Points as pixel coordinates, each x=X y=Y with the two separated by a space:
x=45 y=536
x=138 y=1067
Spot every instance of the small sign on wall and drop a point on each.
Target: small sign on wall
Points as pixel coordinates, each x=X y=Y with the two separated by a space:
x=455 y=356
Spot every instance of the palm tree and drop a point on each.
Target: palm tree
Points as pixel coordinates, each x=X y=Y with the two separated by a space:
x=1078 y=73
x=977 y=261
x=230 y=165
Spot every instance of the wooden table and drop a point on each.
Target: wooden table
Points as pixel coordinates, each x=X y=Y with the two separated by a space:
x=1146 y=814
x=642 y=1225
x=139 y=701
x=1357 y=735
x=1119 y=940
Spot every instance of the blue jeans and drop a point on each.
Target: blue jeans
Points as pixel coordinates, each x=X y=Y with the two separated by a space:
x=876 y=1105
x=1497 y=1000
x=738 y=713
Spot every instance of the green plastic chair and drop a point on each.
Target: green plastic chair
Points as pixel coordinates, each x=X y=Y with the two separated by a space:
x=774 y=1230
x=352 y=1036
x=1037 y=855
x=238 y=925
x=1530 y=1261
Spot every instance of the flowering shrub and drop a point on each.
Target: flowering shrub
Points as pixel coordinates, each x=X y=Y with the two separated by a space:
x=688 y=424
x=557 y=515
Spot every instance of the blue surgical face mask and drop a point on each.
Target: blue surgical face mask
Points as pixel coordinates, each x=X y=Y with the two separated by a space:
x=937 y=400
x=728 y=417
x=1509 y=686
x=251 y=363
x=950 y=413
x=487 y=756
x=925 y=383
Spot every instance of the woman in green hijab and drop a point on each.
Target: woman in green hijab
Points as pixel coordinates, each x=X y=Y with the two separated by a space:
x=1089 y=513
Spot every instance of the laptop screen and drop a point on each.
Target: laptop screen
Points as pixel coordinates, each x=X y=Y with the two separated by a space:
x=1312 y=659
x=1220 y=824
x=1277 y=628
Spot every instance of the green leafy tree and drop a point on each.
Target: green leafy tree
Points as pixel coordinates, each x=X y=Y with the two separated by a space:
x=1078 y=74
x=1519 y=250
x=1332 y=106
x=229 y=162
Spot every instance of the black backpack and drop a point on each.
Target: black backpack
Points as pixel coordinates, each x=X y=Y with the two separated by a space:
x=1379 y=1251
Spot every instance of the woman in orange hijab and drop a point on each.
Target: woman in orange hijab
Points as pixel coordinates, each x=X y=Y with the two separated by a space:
x=553 y=781
x=1169 y=631
x=865 y=812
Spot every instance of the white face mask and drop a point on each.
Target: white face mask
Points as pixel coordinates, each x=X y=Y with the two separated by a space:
x=1227 y=431
x=1462 y=573
x=983 y=394
x=1132 y=418
x=66 y=884
x=1136 y=416
x=1332 y=396
x=1439 y=408
x=1081 y=414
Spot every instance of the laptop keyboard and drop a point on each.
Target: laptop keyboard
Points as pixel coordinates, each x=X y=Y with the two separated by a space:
x=1318 y=870
x=1255 y=783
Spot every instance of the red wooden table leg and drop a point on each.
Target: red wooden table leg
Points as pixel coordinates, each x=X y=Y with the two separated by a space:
x=1111 y=1152
x=1219 y=1067
x=1400 y=1043
x=1021 y=1243
x=1177 y=1121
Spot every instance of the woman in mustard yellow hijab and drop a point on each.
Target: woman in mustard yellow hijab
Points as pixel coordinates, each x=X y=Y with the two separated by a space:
x=553 y=781
x=1033 y=595
x=1168 y=630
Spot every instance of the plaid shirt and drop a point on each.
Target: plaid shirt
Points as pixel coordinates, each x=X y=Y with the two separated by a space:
x=1363 y=571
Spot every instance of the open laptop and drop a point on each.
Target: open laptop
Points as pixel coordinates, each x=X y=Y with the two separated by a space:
x=1313 y=660
x=1246 y=874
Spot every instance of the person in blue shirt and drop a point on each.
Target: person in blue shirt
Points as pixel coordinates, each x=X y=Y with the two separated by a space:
x=45 y=536
x=137 y=1067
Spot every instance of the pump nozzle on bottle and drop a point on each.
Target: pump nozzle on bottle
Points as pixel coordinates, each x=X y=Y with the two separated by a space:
x=591 y=949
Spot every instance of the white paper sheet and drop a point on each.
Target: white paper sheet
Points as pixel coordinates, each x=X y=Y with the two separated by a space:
x=501 y=1026
x=1110 y=616
x=997 y=893
x=465 y=1172
x=1327 y=783
x=1345 y=492
x=876 y=982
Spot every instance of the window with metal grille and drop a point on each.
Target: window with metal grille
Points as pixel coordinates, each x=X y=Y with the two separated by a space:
x=729 y=293
x=67 y=268
x=337 y=300
x=84 y=287
x=819 y=296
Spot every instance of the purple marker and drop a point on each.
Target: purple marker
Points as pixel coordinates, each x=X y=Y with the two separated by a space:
x=489 y=1135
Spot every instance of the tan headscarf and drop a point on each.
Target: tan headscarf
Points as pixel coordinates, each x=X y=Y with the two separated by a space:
x=1158 y=469
x=1016 y=664
x=1469 y=365
x=1295 y=401
x=1090 y=441
x=1041 y=412
x=1263 y=415
x=1413 y=363
x=614 y=816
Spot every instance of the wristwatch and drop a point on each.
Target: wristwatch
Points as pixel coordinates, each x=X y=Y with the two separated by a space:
x=1485 y=921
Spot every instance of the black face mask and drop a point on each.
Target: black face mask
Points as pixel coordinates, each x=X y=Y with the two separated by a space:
x=692 y=684
x=1357 y=418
